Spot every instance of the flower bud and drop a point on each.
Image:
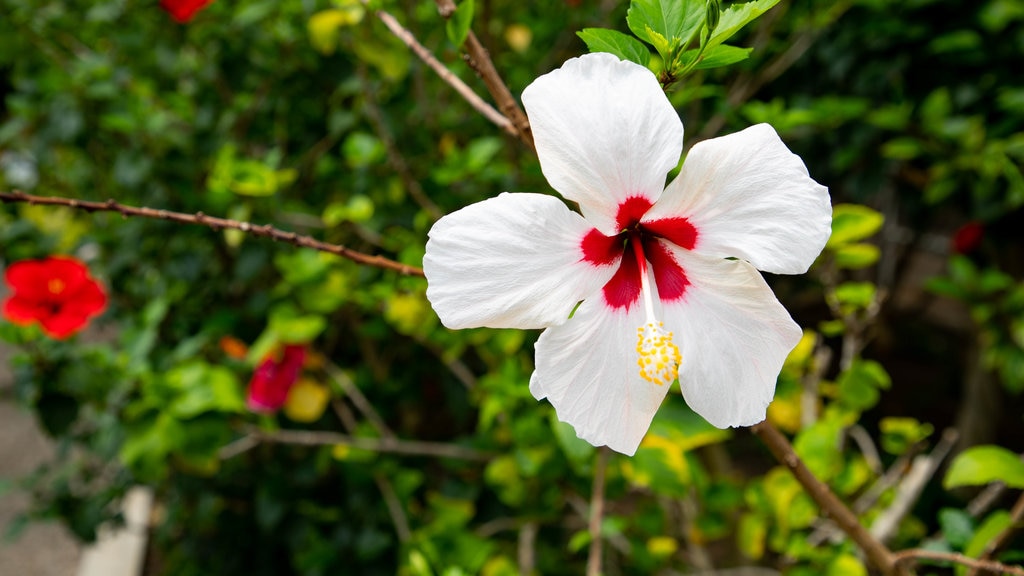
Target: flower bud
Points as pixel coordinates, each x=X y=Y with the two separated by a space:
x=712 y=13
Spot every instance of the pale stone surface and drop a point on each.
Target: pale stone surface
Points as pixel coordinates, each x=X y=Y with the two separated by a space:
x=121 y=553
x=43 y=549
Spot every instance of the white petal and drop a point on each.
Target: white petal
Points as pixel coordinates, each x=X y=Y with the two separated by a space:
x=514 y=261
x=750 y=197
x=733 y=335
x=587 y=368
x=604 y=132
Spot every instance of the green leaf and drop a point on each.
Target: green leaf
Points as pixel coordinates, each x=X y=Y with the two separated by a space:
x=818 y=446
x=856 y=256
x=751 y=535
x=983 y=464
x=737 y=16
x=957 y=526
x=856 y=295
x=852 y=223
x=614 y=42
x=362 y=149
x=715 y=57
x=324 y=26
x=200 y=388
x=899 y=434
x=665 y=24
x=458 y=24
x=988 y=530
x=846 y=565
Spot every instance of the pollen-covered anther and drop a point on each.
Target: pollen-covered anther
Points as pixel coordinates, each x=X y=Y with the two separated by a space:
x=657 y=356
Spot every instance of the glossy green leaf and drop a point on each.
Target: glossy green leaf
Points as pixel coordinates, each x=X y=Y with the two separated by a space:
x=736 y=17
x=614 y=42
x=715 y=57
x=458 y=24
x=983 y=464
x=991 y=527
x=751 y=535
x=665 y=24
x=852 y=223
x=856 y=256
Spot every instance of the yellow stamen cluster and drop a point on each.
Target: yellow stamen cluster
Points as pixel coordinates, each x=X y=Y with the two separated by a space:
x=658 y=356
x=55 y=286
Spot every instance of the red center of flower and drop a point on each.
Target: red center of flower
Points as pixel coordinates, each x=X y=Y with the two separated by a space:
x=645 y=240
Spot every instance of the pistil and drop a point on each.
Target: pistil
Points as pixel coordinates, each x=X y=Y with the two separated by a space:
x=657 y=355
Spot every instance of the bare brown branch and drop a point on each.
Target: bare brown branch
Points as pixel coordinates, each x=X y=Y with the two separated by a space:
x=907 y=556
x=447 y=75
x=383 y=445
x=264 y=230
x=480 y=61
x=876 y=552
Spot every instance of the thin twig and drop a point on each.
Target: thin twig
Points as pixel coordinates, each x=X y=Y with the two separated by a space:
x=349 y=388
x=597 y=513
x=480 y=61
x=908 y=556
x=383 y=445
x=239 y=446
x=809 y=395
x=265 y=230
x=909 y=490
x=387 y=489
x=986 y=499
x=1004 y=537
x=876 y=552
x=526 y=554
x=867 y=447
x=447 y=75
x=395 y=510
x=827 y=530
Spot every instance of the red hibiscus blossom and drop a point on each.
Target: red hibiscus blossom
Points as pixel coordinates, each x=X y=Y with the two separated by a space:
x=183 y=10
x=57 y=292
x=274 y=377
x=967 y=237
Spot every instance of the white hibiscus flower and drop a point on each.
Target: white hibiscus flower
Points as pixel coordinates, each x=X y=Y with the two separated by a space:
x=667 y=276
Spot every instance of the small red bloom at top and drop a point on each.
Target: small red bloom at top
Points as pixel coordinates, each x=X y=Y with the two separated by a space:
x=967 y=237
x=183 y=10
x=56 y=291
x=274 y=377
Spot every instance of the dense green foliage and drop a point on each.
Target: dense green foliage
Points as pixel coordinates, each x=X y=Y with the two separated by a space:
x=310 y=115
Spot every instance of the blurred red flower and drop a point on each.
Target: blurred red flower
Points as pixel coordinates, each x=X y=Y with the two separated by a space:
x=183 y=10
x=56 y=291
x=274 y=377
x=967 y=237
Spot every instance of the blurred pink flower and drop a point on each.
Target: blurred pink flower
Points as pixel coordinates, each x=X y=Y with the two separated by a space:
x=274 y=377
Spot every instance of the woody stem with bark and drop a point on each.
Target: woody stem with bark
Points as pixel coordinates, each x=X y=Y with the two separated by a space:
x=877 y=553
x=264 y=230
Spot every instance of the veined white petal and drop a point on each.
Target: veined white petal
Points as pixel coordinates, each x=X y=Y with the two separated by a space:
x=587 y=368
x=513 y=261
x=733 y=335
x=750 y=197
x=604 y=132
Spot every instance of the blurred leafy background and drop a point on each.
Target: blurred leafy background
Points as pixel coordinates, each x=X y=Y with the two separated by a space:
x=310 y=115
